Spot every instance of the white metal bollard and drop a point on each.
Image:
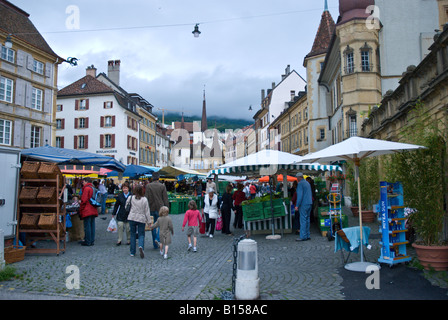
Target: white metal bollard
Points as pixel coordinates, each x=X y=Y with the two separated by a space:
x=247 y=283
x=2 y=250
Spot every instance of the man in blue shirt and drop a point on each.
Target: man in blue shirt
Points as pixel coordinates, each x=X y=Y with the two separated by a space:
x=303 y=206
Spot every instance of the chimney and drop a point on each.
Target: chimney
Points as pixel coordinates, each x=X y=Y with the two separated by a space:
x=113 y=71
x=293 y=93
x=91 y=71
x=262 y=95
x=288 y=69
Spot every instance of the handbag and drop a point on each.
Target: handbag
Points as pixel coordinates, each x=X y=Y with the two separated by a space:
x=128 y=206
x=219 y=224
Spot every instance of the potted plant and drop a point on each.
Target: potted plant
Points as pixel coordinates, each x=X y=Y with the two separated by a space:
x=423 y=175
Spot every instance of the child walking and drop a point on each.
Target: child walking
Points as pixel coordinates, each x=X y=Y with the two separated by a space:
x=165 y=224
x=193 y=218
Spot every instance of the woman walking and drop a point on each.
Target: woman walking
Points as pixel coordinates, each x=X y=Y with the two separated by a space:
x=211 y=211
x=226 y=210
x=138 y=217
x=121 y=215
x=238 y=197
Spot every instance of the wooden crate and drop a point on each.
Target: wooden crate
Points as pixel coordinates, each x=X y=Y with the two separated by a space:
x=47 y=195
x=30 y=170
x=47 y=221
x=28 y=195
x=29 y=221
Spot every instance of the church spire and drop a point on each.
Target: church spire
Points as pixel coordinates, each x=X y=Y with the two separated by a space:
x=326 y=5
x=204 y=116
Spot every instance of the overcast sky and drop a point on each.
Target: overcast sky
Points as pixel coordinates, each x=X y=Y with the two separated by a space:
x=244 y=46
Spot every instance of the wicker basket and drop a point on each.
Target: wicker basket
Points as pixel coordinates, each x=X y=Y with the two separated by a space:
x=48 y=170
x=47 y=221
x=28 y=195
x=30 y=170
x=47 y=195
x=29 y=221
x=14 y=254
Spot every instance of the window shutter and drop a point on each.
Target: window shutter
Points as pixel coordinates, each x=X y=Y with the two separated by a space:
x=104 y=105
x=86 y=122
x=86 y=142
x=113 y=141
x=75 y=142
x=101 y=141
x=129 y=122
x=87 y=104
x=102 y=122
x=76 y=104
x=63 y=124
x=113 y=121
x=62 y=142
x=76 y=123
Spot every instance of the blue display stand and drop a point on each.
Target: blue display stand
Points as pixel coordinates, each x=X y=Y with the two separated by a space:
x=393 y=230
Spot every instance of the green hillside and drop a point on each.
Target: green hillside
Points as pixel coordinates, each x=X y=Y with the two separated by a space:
x=213 y=121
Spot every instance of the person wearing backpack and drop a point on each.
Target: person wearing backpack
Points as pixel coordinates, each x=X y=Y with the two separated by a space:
x=88 y=212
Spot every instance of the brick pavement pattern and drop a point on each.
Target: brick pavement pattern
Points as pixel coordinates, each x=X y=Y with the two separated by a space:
x=288 y=270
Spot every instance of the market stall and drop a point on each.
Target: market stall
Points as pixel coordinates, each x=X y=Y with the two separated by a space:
x=271 y=163
x=42 y=212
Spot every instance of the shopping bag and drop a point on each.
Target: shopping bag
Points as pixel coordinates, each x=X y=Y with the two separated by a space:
x=112 y=227
x=219 y=224
x=202 y=227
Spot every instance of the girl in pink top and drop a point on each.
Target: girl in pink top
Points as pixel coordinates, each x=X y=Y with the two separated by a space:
x=193 y=217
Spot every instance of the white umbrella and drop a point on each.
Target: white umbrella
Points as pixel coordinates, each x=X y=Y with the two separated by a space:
x=356 y=149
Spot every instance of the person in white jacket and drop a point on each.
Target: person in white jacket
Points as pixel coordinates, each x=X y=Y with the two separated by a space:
x=212 y=210
x=139 y=216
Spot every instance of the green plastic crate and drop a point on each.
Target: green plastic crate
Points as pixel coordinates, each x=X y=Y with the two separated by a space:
x=253 y=211
x=279 y=211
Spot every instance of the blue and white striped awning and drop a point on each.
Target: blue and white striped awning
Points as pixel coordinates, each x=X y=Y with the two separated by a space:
x=63 y=156
x=289 y=168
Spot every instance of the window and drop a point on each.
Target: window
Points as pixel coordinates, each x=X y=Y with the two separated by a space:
x=81 y=142
x=108 y=121
x=59 y=123
x=59 y=107
x=59 y=143
x=8 y=54
x=365 y=58
x=5 y=132
x=35 y=136
x=322 y=134
x=108 y=105
x=6 y=88
x=82 y=123
x=38 y=67
x=365 y=61
x=353 y=130
x=350 y=66
x=349 y=60
x=108 y=141
x=36 y=99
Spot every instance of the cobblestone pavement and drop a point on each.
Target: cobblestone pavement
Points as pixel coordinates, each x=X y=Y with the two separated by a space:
x=288 y=270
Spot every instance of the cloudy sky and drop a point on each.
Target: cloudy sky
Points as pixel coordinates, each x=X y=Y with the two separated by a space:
x=244 y=46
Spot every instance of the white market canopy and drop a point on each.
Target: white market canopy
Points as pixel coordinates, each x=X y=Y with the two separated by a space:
x=269 y=162
x=171 y=171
